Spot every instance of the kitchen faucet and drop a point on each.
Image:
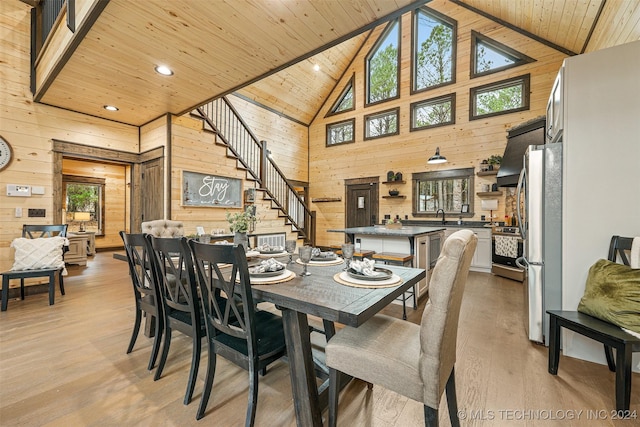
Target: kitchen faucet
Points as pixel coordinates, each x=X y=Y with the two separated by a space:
x=437 y=212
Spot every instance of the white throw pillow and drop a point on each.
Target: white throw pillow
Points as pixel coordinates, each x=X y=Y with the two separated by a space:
x=35 y=254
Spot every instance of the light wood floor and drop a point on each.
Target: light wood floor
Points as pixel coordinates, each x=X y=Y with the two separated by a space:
x=65 y=365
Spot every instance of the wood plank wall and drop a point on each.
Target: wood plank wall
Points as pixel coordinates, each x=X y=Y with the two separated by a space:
x=30 y=128
x=115 y=196
x=465 y=143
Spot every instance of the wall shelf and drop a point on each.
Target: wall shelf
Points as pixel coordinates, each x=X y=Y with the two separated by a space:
x=394 y=197
x=326 y=199
x=394 y=182
x=489 y=194
x=488 y=173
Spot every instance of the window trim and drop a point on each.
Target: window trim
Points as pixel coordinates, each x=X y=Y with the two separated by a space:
x=414 y=48
x=366 y=119
x=441 y=175
x=450 y=97
x=349 y=86
x=526 y=88
x=352 y=121
x=520 y=58
x=374 y=49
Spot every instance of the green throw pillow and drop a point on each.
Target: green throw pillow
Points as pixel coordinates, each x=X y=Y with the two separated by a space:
x=613 y=294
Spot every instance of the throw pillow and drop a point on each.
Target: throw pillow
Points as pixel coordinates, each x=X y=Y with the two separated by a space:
x=40 y=253
x=612 y=294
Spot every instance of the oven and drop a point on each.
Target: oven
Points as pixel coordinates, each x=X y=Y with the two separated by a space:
x=506 y=247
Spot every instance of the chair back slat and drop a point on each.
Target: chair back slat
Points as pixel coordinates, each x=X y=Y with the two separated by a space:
x=137 y=250
x=223 y=276
x=619 y=247
x=36 y=231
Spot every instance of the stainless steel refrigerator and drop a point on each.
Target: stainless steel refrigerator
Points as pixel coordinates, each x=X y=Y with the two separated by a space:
x=540 y=222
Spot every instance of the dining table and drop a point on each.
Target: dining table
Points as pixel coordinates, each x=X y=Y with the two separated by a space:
x=324 y=295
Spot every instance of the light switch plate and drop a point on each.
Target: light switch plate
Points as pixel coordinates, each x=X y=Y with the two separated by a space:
x=18 y=212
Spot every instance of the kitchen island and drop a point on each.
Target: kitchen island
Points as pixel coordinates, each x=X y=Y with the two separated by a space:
x=423 y=243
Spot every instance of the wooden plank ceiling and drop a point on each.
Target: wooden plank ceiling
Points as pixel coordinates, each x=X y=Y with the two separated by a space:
x=265 y=50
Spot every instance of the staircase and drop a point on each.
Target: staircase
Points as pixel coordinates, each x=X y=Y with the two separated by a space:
x=251 y=155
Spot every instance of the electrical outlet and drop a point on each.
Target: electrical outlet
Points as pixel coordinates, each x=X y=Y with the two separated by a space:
x=37 y=213
x=18 y=212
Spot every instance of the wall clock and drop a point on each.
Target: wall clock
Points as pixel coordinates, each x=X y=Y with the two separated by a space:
x=6 y=154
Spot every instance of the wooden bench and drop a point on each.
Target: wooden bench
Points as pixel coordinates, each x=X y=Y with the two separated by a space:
x=406 y=260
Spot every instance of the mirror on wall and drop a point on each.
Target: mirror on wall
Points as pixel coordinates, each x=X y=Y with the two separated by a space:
x=83 y=206
x=450 y=190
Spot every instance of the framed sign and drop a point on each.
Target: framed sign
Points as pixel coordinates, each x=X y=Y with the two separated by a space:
x=200 y=189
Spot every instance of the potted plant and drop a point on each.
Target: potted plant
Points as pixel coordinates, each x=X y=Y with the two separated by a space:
x=239 y=223
x=494 y=161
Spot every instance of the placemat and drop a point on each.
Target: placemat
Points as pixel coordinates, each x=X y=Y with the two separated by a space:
x=336 y=261
x=344 y=279
x=284 y=277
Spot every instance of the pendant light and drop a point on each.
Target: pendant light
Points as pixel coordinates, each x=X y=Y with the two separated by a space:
x=437 y=158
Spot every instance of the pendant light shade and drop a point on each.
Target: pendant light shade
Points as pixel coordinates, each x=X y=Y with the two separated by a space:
x=437 y=158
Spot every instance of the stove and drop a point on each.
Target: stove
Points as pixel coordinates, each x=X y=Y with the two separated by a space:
x=507 y=246
x=506 y=231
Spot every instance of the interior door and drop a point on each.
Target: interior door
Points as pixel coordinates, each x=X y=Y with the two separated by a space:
x=361 y=204
x=152 y=189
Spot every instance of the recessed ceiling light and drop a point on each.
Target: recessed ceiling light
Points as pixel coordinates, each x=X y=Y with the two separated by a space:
x=164 y=70
x=110 y=108
x=316 y=67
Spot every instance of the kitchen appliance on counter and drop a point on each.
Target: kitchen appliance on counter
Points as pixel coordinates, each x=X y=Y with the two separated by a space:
x=506 y=248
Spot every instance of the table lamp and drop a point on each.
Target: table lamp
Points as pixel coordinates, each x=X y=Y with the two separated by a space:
x=82 y=217
x=490 y=205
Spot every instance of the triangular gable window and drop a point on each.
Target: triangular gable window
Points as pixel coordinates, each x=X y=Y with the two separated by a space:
x=490 y=56
x=345 y=101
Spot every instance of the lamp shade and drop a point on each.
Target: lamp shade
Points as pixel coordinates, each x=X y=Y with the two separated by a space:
x=437 y=158
x=82 y=216
x=489 y=204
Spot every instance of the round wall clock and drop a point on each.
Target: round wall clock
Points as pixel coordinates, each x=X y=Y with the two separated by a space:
x=6 y=154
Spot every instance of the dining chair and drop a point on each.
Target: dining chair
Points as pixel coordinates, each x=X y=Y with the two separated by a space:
x=173 y=270
x=236 y=330
x=37 y=259
x=416 y=361
x=145 y=291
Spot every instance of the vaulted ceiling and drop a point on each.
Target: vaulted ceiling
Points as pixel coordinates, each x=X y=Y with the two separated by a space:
x=266 y=50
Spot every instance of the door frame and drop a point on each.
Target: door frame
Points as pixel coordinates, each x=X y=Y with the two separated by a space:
x=360 y=181
x=62 y=149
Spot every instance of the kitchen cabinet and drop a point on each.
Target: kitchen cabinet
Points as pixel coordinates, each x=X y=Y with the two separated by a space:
x=481 y=260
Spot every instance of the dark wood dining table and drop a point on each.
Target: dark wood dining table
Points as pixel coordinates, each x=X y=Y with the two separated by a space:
x=320 y=295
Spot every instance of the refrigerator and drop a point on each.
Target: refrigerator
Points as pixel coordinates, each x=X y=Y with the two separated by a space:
x=581 y=187
x=540 y=221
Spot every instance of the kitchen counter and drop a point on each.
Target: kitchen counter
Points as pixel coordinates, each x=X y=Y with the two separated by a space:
x=381 y=230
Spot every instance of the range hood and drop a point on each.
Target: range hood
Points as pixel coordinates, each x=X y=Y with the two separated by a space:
x=518 y=139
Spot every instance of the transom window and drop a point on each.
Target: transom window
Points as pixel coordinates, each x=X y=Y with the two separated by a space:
x=433 y=112
x=502 y=97
x=382 y=66
x=434 y=47
x=381 y=124
x=447 y=190
x=489 y=56
x=341 y=132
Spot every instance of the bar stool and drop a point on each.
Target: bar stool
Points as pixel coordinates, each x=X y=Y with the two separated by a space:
x=405 y=260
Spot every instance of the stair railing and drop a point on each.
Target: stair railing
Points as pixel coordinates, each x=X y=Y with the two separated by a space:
x=253 y=156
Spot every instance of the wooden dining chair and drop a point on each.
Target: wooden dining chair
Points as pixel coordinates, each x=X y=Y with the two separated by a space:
x=416 y=361
x=173 y=270
x=236 y=330
x=145 y=291
x=45 y=262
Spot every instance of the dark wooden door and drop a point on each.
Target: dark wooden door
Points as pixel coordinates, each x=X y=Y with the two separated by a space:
x=362 y=204
x=152 y=189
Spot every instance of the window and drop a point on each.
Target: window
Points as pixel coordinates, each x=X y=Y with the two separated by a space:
x=381 y=124
x=84 y=195
x=503 y=97
x=433 y=112
x=341 y=132
x=447 y=190
x=345 y=101
x=382 y=66
x=434 y=50
x=489 y=56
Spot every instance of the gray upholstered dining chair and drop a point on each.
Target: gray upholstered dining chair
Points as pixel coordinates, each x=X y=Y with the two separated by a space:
x=416 y=361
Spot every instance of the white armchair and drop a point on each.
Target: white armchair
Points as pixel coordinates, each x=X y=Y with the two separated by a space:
x=163 y=228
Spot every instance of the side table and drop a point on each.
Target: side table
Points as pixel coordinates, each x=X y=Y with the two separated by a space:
x=91 y=240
